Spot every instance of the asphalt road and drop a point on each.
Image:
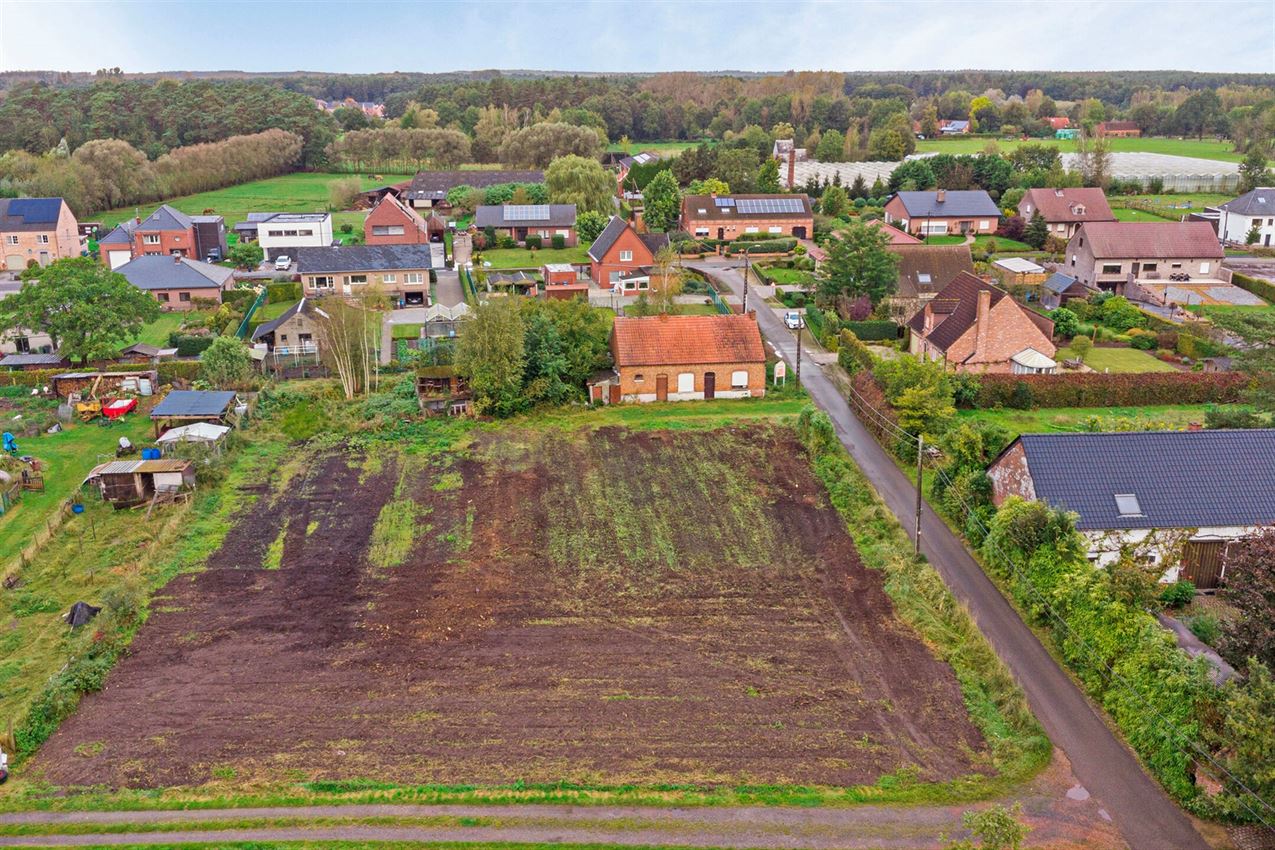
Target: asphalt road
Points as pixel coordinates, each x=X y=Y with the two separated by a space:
x=1145 y=815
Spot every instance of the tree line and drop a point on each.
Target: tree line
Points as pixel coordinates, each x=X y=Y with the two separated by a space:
x=107 y=174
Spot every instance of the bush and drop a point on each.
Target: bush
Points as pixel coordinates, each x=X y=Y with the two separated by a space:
x=283 y=293
x=822 y=325
x=559 y=241
x=1198 y=347
x=1142 y=340
x=1206 y=627
x=852 y=354
x=189 y=345
x=875 y=329
x=1095 y=389
x=532 y=242
x=1178 y=594
x=1066 y=322
x=762 y=246
x=1260 y=288
x=347 y=228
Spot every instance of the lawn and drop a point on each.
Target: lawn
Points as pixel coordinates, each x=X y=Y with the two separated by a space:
x=662 y=147
x=790 y=277
x=1117 y=360
x=946 y=239
x=525 y=258
x=156 y=333
x=1206 y=149
x=1127 y=214
x=1060 y=419
x=407 y=330
x=298 y=192
x=271 y=310
x=696 y=310
x=1003 y=245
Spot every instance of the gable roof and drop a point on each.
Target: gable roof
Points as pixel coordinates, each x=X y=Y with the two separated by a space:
x=926 y=269
x=954 y=203
x=1151 y=239
x=1181 y=479
x=959 y=302
x=1118 y=125
x=897 y=237
x=1067 y=205
x=1260 y=201
x=686 y=340
x=166 y=218
x=525 y=215
x=434 y=185
x=29 y=214
x=729 y=208
x=122 y=234
x=1059 y=283
x=161 y=271
x=271 y=326
x=410 y=214
x=362 y=258
x=607 y=238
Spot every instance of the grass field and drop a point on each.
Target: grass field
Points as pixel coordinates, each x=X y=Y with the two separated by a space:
x=156 y=333
x=1003 y=245
x=790 y=277
x=1116 y=360
x=1206 y=149
x=271 y=310
x=662 y=147
x=1059 y=419
x=298 y=192
x=946 y=239
x=524 y=258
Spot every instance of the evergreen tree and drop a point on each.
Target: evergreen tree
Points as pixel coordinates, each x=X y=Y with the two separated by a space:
x=1037 y=231
x=859 y=188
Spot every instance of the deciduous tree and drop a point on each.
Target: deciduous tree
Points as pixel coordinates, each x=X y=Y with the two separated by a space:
x=584 y=182
x=226 y=364
x=859 y=264
x=660 y=202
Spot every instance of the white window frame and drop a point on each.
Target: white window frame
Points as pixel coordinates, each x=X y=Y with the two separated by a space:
x=42 y=239
x=150 y=238
x=1205 y=267
x=626 y=256
x=985 y=224
x=752 y=228
x=325 y=281
x=387 y=230
x=356 y=279
x=739 y=379
x=774 y=228
x=686 y=382
x=413 y=277
x=389 y=278
x=701 y=231
x=12 y=239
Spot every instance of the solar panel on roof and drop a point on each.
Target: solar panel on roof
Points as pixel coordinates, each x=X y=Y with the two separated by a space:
x=526 y=212
x=36 y=210
x=756 y=206
x=724 y=202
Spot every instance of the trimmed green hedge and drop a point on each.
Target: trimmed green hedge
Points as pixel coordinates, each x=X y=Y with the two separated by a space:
x=280 y=293
x=824 y=326
x=189 y=345
x=1258 y=287
x=1094 y=389
x=873 y=329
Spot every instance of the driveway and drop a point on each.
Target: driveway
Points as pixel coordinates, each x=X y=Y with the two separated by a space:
x=1145 y=815
x=448 y=290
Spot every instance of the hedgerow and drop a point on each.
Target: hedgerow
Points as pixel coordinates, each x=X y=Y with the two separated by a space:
x=1093 y=389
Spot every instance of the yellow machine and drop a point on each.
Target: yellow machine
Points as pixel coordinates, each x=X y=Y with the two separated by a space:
x=89 y=407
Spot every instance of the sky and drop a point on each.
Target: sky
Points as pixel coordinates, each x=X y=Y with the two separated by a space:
x=353 y=36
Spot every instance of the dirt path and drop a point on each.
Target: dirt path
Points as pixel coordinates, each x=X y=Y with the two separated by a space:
x=1059 y=821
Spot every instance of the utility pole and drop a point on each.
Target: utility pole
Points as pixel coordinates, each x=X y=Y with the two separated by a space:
x=746 y=267
x=920 y=471
x=799 y=324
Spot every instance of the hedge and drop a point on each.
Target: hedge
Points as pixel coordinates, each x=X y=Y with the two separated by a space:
x=822 y=325
x=873 y=329
x=234 y=296
x=189 y=345
x=281 y=293
x=764 y=246
x=169 y=372
x=1258 y=287
x=1094 y=389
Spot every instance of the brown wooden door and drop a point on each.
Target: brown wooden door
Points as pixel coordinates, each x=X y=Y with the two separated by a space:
x=615 y=394
x=661 y=387
x=1202 y=563
x=710 y=384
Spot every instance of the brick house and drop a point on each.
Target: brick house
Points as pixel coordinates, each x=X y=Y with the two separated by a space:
x=620 y=250
x=1064 y=210
x=177 y=282
x=681 y=358
x=294 y=331
x=943 y=211
x=116 y=248
x=518 y=221
x=428 y=189
x=1117 y=130
x=392 y=222
x=39 y=229
x=399 y=271
x=166 y=231
x=728 y=217
x=563 y=280
x=1173 y=499
x=975 y=327
x=923 y=271
x=1116 y=256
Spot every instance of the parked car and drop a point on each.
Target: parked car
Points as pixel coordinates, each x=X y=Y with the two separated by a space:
x=794 y=320
x=282 y=263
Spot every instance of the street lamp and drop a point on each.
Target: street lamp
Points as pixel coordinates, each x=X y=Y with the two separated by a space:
x=800 y=325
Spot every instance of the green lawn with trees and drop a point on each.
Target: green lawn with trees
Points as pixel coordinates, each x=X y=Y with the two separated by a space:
x=1118 y=360
x=1062 y=419
x=525 y=258
x=298 y=192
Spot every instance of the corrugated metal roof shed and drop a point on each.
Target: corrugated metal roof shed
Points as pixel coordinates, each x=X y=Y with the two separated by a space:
x=193 y=403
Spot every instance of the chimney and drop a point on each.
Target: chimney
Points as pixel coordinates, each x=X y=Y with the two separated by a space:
x=940 y=196
x=792 y=165
x=177 y=259
x=982 y=321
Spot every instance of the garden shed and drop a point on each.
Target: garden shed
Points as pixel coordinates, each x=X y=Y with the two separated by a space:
x=124 y=483
x=182 y=407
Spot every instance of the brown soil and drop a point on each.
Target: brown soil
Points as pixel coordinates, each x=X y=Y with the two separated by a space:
x=608 y=608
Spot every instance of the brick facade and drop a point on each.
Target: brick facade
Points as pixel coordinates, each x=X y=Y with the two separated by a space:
x=392 y=223
x=164 y=242
x=896 y=214
x=642 y=383
x=58 y=242
x=173 y=300
x=613 y=263
x=701 y=217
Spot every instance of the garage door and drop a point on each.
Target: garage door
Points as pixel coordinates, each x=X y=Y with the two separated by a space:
x=14 y=263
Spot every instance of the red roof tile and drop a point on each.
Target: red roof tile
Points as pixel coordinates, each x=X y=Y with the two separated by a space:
x=686 y=340
x=1151 y=239
x=1067 y=205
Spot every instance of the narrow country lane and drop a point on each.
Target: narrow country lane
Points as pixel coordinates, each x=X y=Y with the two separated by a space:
x=1146 y=816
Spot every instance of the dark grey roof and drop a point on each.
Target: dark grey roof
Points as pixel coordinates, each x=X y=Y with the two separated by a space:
x=1181 y=479
x=962 y=202
x=1059 y=283
x=166 y=218
x=31 y=360
x=607 y=237
x=434 y=185
x=1260 y=201
x=273 y=325
x=362 y=258
x=525 y=215
x=193 y=403
x=160 y=271
x=29 y=213
x=123 y=232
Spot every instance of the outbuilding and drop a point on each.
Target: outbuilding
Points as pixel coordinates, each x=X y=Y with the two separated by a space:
x=182 y=407
x=131 y=482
